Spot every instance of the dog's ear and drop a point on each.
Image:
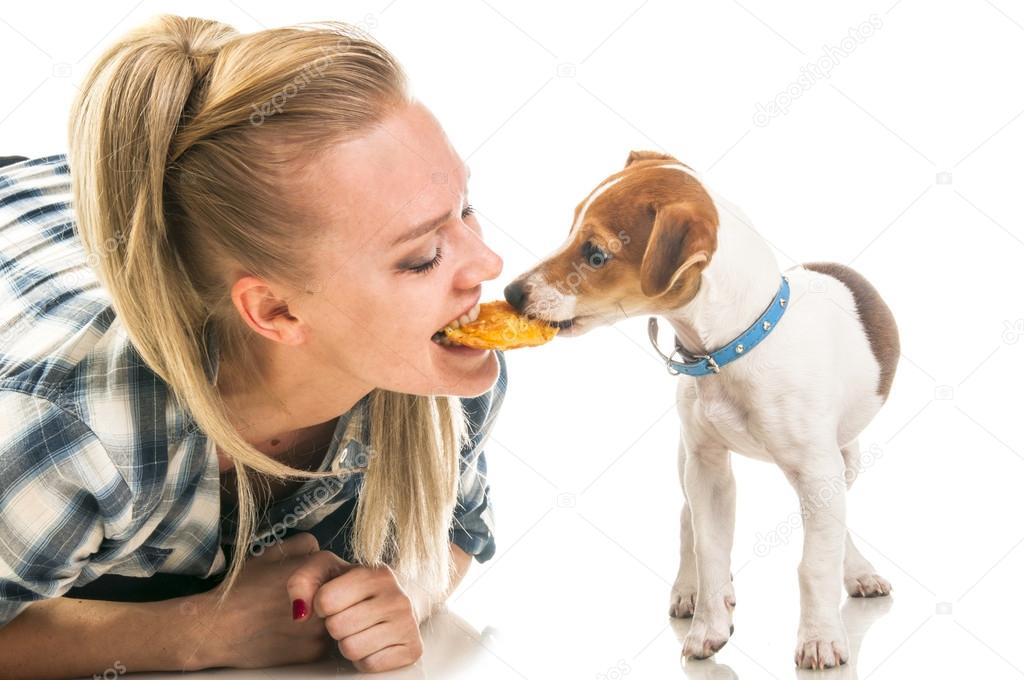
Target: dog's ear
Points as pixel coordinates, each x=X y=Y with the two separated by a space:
x=683 y=239
x=635 y=156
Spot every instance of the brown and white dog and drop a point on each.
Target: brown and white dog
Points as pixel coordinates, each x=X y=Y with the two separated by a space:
x=653 y=239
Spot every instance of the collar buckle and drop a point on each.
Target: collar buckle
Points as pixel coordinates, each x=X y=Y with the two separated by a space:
x=672 y=370
x=739 y=346
x=712 y=364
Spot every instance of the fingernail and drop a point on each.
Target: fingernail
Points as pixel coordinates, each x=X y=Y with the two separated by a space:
x=298 y=609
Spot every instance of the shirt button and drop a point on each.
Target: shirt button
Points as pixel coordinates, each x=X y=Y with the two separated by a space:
x=336 y=464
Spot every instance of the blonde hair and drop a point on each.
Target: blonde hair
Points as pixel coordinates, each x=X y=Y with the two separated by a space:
x=183 y=140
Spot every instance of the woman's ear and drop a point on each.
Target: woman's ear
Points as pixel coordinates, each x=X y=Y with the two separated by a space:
x=682 y=241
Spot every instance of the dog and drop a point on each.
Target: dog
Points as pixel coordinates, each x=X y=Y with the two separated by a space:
x=784 y=367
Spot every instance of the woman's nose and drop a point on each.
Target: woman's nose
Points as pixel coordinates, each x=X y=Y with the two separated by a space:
x=484 y=265
x=494 y=264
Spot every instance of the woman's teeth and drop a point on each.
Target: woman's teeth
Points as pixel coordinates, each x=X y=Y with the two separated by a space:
x=441 y=338
x=465 y=318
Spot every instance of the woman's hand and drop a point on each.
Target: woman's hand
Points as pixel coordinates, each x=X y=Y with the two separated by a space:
x=254 y=628
x=365 y=609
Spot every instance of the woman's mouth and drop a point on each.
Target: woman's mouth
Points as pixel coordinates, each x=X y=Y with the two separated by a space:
x=442 y=339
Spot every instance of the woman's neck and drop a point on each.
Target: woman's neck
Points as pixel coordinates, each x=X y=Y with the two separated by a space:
x=282 y=412
x=294 y=448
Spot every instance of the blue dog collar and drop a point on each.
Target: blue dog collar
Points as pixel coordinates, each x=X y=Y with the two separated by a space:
x=706 y=364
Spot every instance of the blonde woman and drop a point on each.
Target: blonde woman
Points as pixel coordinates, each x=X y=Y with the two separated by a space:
x=228 y=438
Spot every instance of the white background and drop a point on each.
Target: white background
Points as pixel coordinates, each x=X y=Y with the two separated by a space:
x=904 y=163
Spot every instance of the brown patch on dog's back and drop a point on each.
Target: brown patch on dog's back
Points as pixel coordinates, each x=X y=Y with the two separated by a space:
x=639 y=156
x=875 y=316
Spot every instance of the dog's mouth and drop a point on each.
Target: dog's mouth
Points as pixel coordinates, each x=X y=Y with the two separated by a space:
x=565 y=324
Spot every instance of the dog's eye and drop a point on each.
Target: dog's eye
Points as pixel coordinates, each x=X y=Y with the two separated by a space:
x=594 y=255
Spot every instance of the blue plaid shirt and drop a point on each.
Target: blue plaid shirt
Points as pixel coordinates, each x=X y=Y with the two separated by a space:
x=101 y=469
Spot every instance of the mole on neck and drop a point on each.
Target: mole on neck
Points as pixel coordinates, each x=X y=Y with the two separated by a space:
x=299 y=449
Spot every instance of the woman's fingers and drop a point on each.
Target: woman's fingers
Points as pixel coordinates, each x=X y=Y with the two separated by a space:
x=355 y=585
x=302 y=543
x=372 y=640
x=316 y=570
x=359 y=617
x=390 y=658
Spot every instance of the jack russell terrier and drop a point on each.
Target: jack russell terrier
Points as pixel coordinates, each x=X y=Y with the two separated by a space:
x=786 y=367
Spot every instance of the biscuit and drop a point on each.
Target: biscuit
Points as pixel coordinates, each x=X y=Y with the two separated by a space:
x=500 y=326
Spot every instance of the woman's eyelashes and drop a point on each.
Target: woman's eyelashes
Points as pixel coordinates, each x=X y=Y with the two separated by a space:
x=430 y=264
x=427 y=266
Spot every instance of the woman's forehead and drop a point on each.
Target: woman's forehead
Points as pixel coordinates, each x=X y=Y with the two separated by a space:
x=400 y=174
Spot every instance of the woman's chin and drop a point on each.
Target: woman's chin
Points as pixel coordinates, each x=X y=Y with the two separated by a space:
x=464 y=372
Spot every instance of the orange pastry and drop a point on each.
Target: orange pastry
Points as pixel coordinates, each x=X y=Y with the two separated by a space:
x=500 y=326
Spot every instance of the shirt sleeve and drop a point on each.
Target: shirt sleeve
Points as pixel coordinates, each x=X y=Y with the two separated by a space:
x=473 y=522
x=57 y=483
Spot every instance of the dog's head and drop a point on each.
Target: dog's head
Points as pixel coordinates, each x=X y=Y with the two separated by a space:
x=637 y=245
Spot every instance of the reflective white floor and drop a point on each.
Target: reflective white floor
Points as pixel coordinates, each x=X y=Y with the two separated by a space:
x=905 y=164
x=588 y=501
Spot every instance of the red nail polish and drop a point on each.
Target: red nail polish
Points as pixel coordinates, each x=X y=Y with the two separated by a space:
x=298 y=609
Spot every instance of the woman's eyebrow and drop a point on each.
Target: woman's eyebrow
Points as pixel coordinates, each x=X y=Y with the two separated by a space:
x=424 y=228
x=428 y=226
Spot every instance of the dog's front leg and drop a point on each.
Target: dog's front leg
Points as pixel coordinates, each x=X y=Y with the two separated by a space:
x=821 y=486
x=684 y=591
x=711 y=495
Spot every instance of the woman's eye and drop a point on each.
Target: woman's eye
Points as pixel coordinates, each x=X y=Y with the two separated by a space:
x=430 y=264
x=427 y=266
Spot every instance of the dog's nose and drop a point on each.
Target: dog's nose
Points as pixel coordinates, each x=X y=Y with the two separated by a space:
x=515 y=295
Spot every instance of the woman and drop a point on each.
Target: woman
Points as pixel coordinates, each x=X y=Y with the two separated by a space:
x=267 y=231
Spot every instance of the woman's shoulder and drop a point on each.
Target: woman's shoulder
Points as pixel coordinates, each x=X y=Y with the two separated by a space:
x=63 y=341
x=52 y=307
x=83 y=400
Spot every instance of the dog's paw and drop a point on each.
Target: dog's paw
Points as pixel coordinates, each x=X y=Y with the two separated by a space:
x=683 y=601
x=705 y=638
x=817 y=651
x=710 y=629
x=866 y=585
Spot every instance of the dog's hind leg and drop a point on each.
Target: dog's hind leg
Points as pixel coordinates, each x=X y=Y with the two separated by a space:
x=859 y=576
x=819 y=481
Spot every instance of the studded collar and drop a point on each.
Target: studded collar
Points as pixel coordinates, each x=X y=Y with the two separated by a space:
x=706 y=364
